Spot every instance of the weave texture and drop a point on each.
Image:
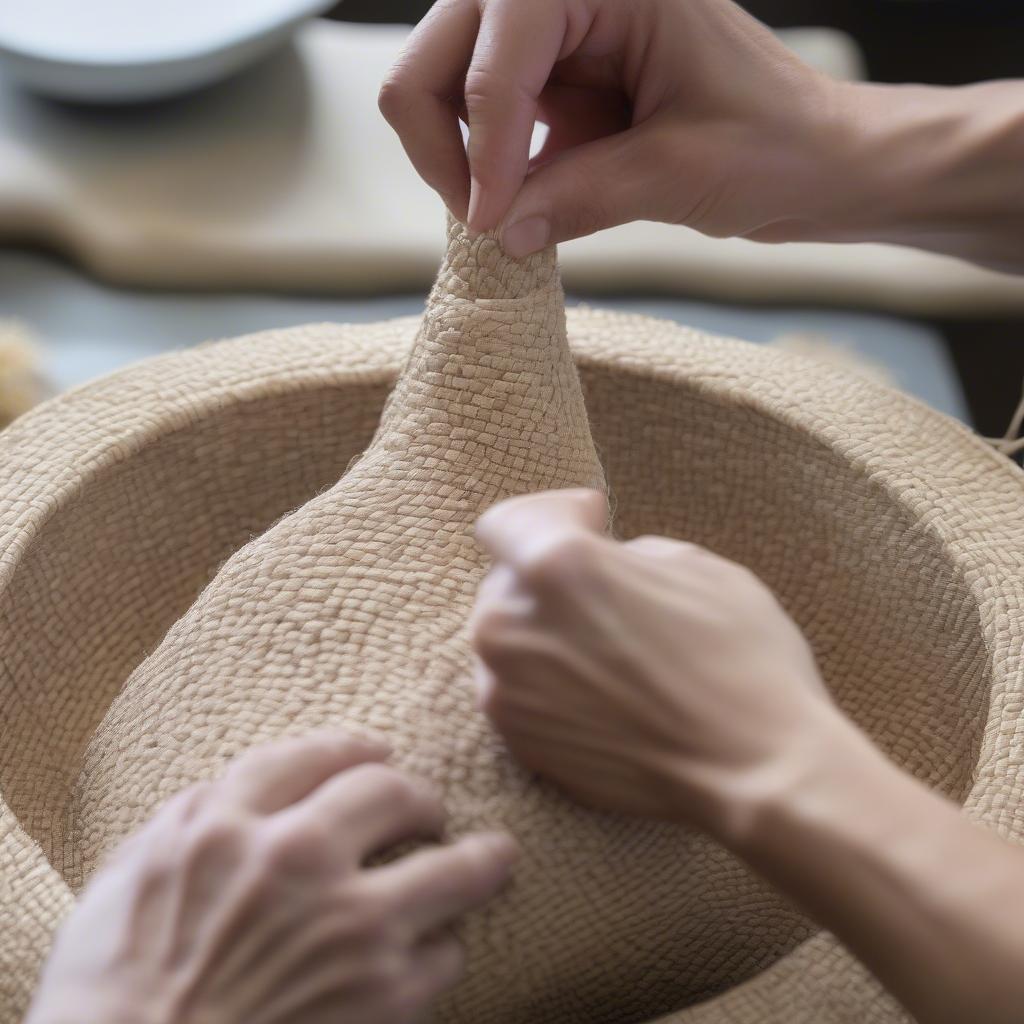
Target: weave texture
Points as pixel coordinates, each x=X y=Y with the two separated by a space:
x=890 y=533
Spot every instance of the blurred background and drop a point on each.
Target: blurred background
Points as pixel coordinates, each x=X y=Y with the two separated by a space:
x=208 y=185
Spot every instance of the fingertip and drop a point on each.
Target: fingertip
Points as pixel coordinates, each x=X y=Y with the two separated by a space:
x=377 y=749
x=651 y=546
x=491 y=526
x=482 y=214
x=362 y=745
x=499 y=848
x=527 y=236
x=511 y=528
x=595 y=506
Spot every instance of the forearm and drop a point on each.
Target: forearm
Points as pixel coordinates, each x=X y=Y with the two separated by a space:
x=932 y=904
x=936 y=168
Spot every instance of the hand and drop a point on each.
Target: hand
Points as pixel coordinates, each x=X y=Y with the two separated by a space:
x=247 y=901
x=650 y=677
x=654 y=677
x=685 y=111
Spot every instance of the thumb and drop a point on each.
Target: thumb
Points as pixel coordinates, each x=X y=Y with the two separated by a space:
x=612 y=180
x=520 y=531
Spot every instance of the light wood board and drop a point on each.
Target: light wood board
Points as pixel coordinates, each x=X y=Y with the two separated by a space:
x=287 y=178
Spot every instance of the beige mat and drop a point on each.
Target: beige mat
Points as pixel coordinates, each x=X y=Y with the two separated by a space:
x=22 y=384
x=288 y=178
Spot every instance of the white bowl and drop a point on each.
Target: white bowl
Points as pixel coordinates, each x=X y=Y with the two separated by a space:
x=116 y=51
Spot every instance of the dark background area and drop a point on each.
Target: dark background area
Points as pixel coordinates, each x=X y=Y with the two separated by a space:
x=940 y=41
x=944 y=42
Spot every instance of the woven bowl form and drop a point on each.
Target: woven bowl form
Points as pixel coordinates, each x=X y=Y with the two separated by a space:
x=891 y=534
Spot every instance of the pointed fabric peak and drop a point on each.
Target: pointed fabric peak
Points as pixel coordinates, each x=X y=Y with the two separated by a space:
x=489 y=403
x=476 y=267
x=352 y=613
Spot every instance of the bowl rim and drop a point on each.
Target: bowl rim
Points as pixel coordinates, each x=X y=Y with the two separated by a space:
x=64 y=55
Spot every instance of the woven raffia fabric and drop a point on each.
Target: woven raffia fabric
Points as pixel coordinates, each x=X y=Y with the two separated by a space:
x=274 y=534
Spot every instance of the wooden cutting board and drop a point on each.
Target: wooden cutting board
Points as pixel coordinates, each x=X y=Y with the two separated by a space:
x=287 y=178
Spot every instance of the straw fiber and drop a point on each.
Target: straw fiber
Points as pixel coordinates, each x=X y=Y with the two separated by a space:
x=162 y=608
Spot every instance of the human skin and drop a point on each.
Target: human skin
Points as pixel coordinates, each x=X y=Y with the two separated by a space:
x=653 y=677
x=249 y=900
x=692 y=112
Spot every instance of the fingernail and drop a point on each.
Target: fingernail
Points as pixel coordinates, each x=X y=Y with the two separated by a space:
x=526 y=236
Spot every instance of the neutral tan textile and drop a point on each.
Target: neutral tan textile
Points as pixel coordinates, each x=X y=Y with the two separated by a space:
x=352 y=611
x=891 y=533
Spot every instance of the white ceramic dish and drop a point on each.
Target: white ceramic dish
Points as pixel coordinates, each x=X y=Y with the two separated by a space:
x=118 y=51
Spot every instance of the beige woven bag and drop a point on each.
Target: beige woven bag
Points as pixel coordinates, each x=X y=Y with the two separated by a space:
x=890 y=532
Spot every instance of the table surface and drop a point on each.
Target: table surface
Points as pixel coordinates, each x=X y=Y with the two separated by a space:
x=88 y=329
x=286 y=177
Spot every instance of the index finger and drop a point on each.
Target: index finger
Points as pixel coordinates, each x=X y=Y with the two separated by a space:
x=269 y=778
x=518 y=44
x=520 y=531
x=422 y=95
x=438 y=885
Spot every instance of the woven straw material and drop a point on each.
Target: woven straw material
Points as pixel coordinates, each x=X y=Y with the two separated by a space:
x=891 y=534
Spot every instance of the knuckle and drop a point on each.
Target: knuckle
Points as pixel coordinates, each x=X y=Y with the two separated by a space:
x=394 y=96
x=216 y=837
x=159 y=870
x=569 y=559
x=396 y=788
x=208 y=850
x=491 y=630
x=370 y=918
x=482 y=86
x=294 y=843
x=401 y=792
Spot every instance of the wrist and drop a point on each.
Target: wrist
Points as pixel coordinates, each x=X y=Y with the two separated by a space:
x=896 y=873
x=933 y=167
x=823 y=774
